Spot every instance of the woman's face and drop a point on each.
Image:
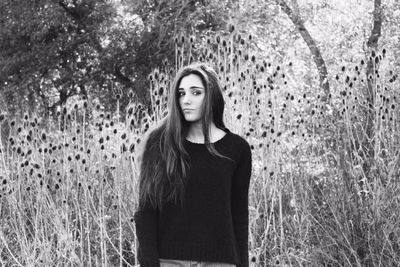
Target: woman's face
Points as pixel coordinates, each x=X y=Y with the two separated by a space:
x=191 y=93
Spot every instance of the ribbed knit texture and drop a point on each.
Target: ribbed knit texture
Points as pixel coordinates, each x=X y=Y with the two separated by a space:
x=213 y=224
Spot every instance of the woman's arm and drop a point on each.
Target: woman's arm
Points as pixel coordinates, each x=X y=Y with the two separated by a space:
x=146 y=216
x=146 y=231
x=240 y=203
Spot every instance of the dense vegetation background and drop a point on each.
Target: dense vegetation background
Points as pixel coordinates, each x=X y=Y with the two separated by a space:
x=312 y=85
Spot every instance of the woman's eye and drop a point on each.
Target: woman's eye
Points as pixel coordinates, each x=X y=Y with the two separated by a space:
x=194 y=92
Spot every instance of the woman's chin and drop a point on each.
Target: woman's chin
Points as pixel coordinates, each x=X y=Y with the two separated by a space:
x=191 y=119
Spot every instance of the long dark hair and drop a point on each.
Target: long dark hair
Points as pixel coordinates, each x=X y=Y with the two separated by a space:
x=164 y=163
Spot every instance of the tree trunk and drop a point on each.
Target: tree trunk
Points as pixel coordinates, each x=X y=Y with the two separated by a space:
x=369 y=125
x=294 y=15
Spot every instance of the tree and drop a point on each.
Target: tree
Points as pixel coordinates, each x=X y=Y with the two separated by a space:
x=54 y=50
x=372 y=71
x=47 y=50
x=294 y=15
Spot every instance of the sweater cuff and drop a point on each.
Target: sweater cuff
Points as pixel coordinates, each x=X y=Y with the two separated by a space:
x=149 y=263
x=146 y=232
x=243 y=248
x=244 y=255
x=147 y=257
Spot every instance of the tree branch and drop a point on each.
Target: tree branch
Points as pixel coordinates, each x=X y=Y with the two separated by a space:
x=376 y=31
x=77 y=15
x=315 y=52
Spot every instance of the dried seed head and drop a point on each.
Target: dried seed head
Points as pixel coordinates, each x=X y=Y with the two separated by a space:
x=130 y=111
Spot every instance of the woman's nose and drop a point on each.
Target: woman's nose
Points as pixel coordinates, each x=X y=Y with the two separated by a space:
x=186 y=99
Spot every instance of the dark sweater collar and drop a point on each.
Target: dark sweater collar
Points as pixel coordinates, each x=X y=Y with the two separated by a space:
x=226 y=130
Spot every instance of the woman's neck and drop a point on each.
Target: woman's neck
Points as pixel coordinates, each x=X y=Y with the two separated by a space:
x=195 y=132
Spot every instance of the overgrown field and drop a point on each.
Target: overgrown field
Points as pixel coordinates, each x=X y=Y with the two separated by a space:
x=325 y=188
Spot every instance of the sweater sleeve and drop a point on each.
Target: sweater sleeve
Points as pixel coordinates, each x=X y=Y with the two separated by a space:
x=146 y=216
x=240 y=204
x=146 y=231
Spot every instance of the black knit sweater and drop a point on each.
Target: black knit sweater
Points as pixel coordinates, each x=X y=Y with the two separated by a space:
x=213 y=224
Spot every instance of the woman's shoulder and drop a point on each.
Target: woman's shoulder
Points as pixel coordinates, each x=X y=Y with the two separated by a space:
x=151 y=139
x=155 y=132
x=238 y=141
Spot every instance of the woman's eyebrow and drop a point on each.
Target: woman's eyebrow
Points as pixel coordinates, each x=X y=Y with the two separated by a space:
x=192 y=87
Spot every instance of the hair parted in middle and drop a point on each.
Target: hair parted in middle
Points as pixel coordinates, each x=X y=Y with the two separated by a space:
x=164 y=162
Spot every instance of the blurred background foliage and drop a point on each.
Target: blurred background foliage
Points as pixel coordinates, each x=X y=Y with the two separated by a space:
x=54 y=51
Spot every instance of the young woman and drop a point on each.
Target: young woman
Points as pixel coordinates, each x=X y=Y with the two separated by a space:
x=194 y=181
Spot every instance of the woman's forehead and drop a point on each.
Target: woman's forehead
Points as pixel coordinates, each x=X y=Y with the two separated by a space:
x=191 y=80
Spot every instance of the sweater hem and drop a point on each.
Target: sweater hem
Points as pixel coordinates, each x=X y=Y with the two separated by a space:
x=199 y=251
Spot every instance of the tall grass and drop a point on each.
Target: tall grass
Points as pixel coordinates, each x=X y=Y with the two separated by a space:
x=67 y=192
x=323 y=192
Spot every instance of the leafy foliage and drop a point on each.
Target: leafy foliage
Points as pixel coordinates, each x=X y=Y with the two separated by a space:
x=54 y=50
